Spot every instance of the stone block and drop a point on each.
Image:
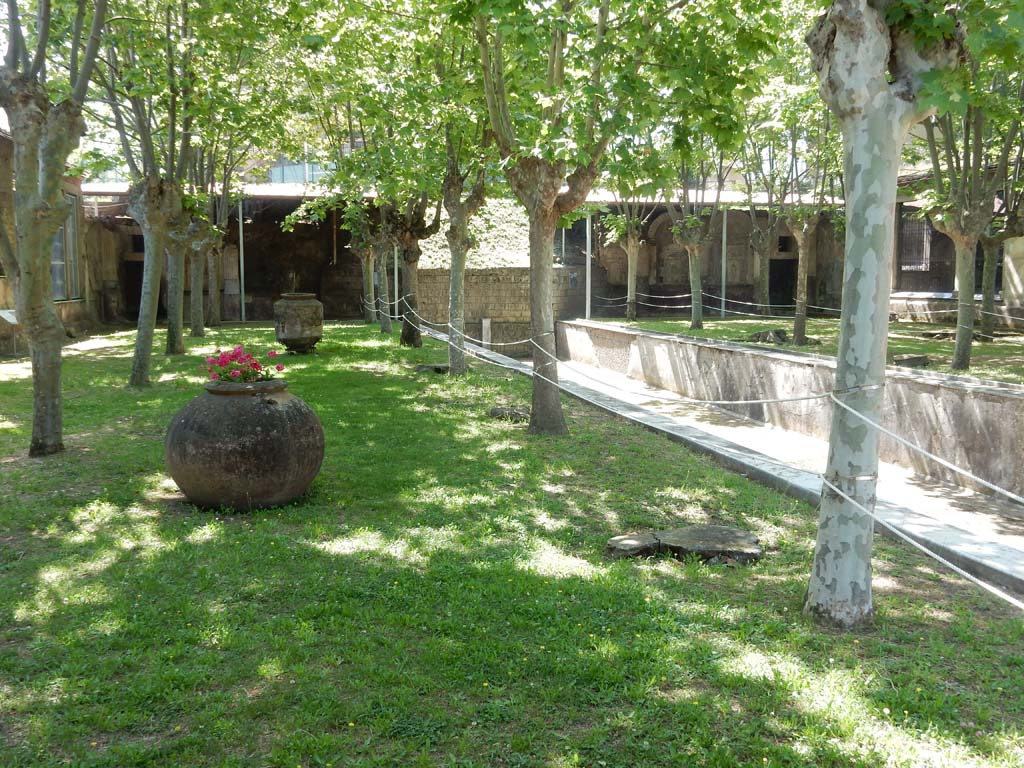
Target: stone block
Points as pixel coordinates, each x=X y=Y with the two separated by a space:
x=912 y=361
x=634 y=545
x=711 y=542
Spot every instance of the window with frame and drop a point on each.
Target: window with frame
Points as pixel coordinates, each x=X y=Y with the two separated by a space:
x=64 y=256
x=915 y=244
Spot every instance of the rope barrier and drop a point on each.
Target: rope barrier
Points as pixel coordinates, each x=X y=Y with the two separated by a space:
x=747 y=303
x=938 y=459
x=934 y=555
x=696 y=401
x=995 y=591
x=666 y=306
x=654 y=296
x=482 y=343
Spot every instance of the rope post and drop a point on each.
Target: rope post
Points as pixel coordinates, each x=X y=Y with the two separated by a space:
x=241 y=262
x=588 y=267
x=725 y=246
x=395 y=281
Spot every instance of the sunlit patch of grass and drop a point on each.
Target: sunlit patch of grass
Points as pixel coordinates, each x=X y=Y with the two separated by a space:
x=441 y=596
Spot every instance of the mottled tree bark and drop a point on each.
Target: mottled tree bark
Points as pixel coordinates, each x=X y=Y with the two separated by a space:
x=366 y=261
x=991 y=246
x=383 y=310
x=546 y=416
x=215 y=271
x=460 y=211
x=458 y=237
x=177 y=253
x=965 y=248
x=197 y=273
x=411 y=335
x=870 y=76
x=693 y=259
x=804 y=234
x=44 y=135
x=762 y=243
x=154 y=203
x=632 y=246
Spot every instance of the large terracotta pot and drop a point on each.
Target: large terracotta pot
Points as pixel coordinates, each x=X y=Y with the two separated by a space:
x=244 y=446
x=299 y=321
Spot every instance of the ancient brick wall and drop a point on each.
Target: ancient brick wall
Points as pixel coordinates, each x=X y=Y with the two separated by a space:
x=503 y=295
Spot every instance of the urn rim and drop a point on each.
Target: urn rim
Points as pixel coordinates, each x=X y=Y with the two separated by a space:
x=266 y=386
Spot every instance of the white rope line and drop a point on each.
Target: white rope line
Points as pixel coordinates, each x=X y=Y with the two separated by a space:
x=934 y=555
x=482 y=343
x=900 y=534
x=748 y=303
x=666 y=306
x=914 y=311
x=610 y=298
x=531 y=372
x=824 y=309
x=485 y=344
x=999 y=314
x=658 y=296
x=696 y=401
x=938 y=459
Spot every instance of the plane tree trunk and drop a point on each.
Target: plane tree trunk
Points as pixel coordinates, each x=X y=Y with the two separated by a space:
x=410 y=228
x=536 y=184
x=177 y=255
x=201 y=240
x=43 y=137
x=215 y=272
x=869 y=76
x=990 y=246
x=411 y=335
x=366 y=260
x=965 y=246
x=804 y=233
x=43 y=133
x=762 y=243
x=383 y=310
x=632 y=244
x=693 y=259
x=460 y=210
x=154 y=202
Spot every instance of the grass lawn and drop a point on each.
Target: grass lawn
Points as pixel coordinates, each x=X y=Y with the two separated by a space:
x=1001 y=360
x=441 y=597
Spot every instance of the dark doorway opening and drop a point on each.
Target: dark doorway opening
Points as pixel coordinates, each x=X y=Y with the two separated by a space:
x=782 y=282
x=131 y=279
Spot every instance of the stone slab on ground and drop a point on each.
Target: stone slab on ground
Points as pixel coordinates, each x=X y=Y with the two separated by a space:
x=515 y=415
x=774 y=336
x=912 y=361
x=708 y=542
x=711 y=541
x=634 y=545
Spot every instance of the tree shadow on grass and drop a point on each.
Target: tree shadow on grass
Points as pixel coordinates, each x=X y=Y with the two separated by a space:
x=441 y=598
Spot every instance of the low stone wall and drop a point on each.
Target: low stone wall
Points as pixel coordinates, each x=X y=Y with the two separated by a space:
x=973 y=423
x=944 y=310
x=503 y=295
